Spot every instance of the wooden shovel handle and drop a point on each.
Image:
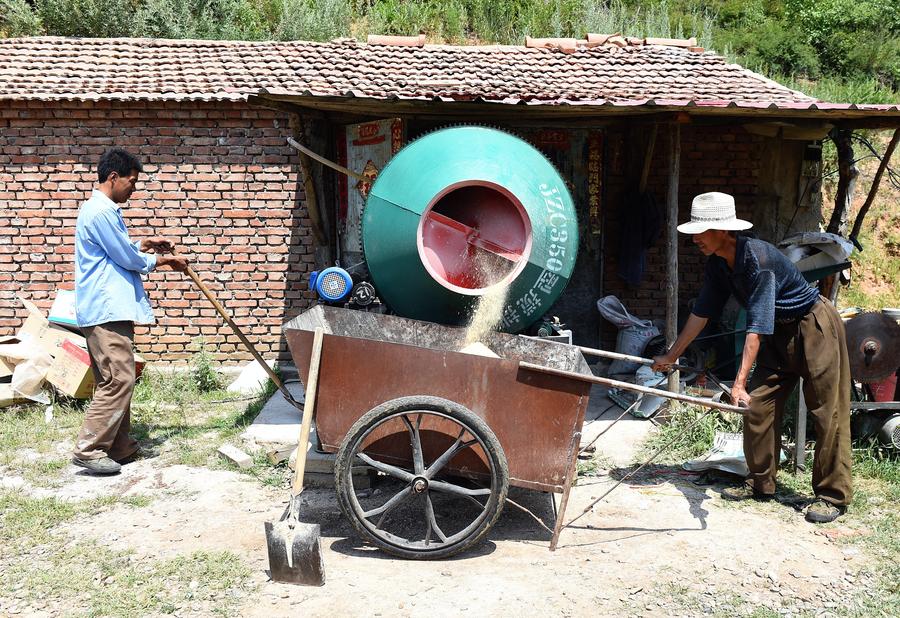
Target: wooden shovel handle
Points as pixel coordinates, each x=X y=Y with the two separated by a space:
x=239 y=333
x=309 y=408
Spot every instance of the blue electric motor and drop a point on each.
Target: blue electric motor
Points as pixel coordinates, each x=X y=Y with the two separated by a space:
x=333 y=285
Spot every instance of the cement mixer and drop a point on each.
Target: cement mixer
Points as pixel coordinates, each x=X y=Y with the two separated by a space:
x=458 y=214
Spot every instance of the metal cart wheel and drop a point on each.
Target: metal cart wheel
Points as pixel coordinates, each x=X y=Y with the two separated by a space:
x=442 y=477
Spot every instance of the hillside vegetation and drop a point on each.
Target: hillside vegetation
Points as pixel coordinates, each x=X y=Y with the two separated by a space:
x=846 y=50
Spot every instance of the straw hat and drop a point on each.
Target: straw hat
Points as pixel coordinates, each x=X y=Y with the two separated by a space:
x=713 y=211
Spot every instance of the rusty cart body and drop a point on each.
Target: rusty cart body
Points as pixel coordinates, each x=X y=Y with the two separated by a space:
x=447 y=431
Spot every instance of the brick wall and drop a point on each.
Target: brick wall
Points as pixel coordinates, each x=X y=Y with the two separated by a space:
x=218 y=177
x=718 y=158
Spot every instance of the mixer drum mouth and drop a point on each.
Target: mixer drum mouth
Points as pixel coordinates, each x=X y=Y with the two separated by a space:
x=473 y=236
x=463 y=211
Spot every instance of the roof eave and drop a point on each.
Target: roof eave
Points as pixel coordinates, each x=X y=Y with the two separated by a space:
x=564 y=107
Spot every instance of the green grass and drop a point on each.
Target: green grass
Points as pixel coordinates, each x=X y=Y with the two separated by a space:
x=181 y=418
x=876 y=268
x=688 y=430
x=727 y=603
x=40 y=565
x=592 y=465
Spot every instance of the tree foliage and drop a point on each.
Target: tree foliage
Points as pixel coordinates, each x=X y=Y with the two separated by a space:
x=18 y=19
x=86 y=18
x=854 y=41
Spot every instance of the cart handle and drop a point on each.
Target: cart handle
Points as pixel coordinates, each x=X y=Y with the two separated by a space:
x=700 y=401
x=613 y=355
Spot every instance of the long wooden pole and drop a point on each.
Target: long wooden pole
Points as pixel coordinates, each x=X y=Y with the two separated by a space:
x=672 y=246
x=699 y=401
x=309 y=188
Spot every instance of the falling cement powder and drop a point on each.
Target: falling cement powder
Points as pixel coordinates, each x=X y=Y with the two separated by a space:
x=489 y=310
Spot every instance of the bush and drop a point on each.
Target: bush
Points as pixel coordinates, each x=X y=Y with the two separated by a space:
x=86 y=18
x=164 y=19
x=775 y=47
x=440 y=20
x=853 y=37
x=203 y=374
x=17 y=19
x=314 y=20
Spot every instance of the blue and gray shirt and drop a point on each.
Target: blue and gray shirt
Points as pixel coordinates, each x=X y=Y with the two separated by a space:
x=763 y=281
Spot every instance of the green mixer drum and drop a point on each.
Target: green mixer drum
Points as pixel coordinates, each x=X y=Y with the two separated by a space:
x=464 y=212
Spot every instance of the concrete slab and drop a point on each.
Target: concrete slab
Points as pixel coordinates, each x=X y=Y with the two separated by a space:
x=251 y=379
x=279 y=421
x=278 y=424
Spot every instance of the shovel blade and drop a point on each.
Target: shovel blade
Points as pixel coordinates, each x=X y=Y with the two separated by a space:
x=295 y=553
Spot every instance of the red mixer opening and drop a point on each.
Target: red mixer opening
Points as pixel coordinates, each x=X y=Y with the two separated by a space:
x=474 y=235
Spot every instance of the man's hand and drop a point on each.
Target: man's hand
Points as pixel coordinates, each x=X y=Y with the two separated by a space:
x=663 y=363
x=159 y=244
x=175 y=262
x=739 y=396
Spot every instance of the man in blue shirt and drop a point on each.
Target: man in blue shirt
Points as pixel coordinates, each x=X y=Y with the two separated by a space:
x=792 y=333
x=109 y=301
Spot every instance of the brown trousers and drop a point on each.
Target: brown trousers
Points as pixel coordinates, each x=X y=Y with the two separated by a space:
x=108 y=418
x=813 y=348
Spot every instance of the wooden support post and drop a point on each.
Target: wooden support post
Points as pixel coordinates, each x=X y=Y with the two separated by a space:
x=319 y=230
x=847 y=174
x=672 y=245
x=876 y=181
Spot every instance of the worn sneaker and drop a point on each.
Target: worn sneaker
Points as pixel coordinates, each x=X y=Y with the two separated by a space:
x=102 y=466
x=821 y=512
x=744 y=492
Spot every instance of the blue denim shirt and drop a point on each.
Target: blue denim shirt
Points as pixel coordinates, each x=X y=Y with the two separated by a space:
x=763 y=281
x=108 y=267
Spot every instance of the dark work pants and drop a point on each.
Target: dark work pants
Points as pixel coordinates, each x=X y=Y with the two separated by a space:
x=108 y=418
x=814 y=348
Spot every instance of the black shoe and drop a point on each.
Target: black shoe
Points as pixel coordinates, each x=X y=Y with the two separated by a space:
x=103 y=466
x=745 y=492
x=821 y=512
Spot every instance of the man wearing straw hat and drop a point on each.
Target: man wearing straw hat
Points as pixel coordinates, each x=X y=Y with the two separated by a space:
x=792 y=333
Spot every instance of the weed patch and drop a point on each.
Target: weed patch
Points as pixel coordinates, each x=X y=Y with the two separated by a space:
x=688 y=431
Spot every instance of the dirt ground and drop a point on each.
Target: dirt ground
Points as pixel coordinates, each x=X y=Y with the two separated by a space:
x=658 y=546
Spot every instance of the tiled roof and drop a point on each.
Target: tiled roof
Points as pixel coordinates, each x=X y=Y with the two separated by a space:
x=51 y=68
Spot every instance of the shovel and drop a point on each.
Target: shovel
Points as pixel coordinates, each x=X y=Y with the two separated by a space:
x=295 y=554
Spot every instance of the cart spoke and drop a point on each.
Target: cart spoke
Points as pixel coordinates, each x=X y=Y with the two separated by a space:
x=447 y=455
x=388 y=506
x=432 y=522
x=474 y=500
x=456 y=489
x=415 y=441
x=388 y=469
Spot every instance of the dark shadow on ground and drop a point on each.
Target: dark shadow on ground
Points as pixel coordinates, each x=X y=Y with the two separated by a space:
x=320 y=505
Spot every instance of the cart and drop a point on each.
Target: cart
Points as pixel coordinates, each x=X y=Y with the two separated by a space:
x=445 y=432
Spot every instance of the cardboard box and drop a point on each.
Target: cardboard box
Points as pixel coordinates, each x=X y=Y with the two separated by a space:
x=7 y=364
x=37 y=330
x=71 y=372
x=8 y=397
x=63 y=309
